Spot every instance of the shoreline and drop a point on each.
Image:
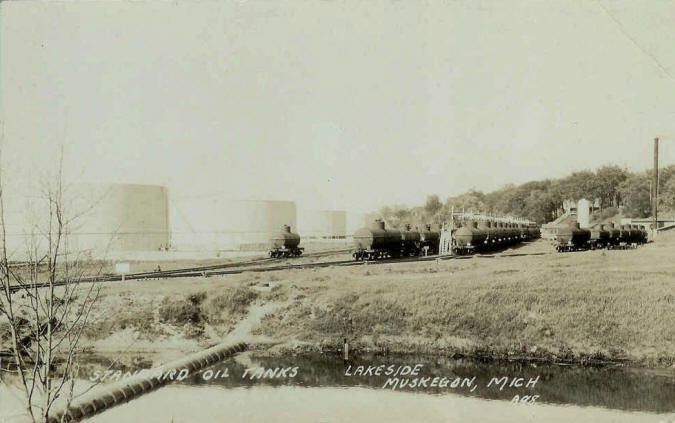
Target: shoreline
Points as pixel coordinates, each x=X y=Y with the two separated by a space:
x=579 y=359
x=590 y=308
x=285 y=349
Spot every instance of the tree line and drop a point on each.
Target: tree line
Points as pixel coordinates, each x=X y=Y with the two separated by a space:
x=615 y=189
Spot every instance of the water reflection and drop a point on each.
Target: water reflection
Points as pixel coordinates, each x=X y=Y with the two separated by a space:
x=608 y=387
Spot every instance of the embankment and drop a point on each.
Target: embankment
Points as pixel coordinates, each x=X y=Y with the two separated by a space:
x=596 y=306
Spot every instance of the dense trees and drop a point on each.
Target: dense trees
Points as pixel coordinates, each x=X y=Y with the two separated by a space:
x=542 y=201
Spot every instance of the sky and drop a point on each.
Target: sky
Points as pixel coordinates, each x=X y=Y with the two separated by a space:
x=334 y=104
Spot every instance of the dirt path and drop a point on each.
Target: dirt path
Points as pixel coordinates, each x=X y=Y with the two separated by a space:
x=256 y=312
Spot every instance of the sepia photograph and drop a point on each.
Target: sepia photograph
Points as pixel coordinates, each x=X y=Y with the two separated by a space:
x=328 y=211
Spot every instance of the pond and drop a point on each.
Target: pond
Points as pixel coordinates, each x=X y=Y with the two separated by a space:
x=323 y=388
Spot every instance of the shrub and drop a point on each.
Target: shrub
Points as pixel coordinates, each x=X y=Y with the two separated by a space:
x=180 y=311
x=233 y=303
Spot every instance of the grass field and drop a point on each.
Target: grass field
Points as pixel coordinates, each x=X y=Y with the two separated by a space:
x=573 y=307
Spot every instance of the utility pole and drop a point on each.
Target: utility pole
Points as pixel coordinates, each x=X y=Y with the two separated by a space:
x=655 y=185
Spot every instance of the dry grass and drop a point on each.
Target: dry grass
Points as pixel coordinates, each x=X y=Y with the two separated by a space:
x=601 y=305
x=597 y=305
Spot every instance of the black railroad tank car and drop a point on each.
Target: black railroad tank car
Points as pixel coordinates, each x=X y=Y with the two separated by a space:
x=633 y=234
x=639 y=235
x=285 y=243
x=376 y=242
x=469 y=239
x=490 y=240
x=624 y=235
x=599 y=237
x=411 y=241
x=572 y=238
x=614 y=235
x=429 y=239
x=524 y=233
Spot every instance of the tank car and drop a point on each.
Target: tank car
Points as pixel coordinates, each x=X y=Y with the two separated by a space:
x=285 y=243
x=510 y=233
x=524 y=234
x=410 y=241
x=572 y=238
x=491 y=241
x=469 y=239
x=506 y=233
x=514 y=233
x=376 y=242
x=624 y=236
x=599 y=237
x=640 y=237
x=498 y=234
x=614 y=235
x=429 y=239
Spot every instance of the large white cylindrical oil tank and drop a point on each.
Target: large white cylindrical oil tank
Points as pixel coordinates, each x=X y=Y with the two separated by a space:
x=212 y=223
x=338 y=223
x=121 y=217
x=322 y=223
x=97 y=219
x=583 y=213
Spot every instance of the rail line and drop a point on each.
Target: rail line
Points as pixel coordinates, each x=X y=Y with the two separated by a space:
x=257 y=266
x=253 y=262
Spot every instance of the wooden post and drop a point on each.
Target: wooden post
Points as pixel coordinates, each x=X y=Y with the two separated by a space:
x=345 y=350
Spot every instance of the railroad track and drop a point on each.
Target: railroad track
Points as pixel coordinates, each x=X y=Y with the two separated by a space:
x=258 y=266
x=182 y=272
x=253 y=262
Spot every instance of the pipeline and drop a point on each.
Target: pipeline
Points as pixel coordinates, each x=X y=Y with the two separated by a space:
x=125 y=390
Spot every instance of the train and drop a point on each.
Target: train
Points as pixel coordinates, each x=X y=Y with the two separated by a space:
x=610 y=236
x=285 y=243
x=483 y=236
x=377 y=242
